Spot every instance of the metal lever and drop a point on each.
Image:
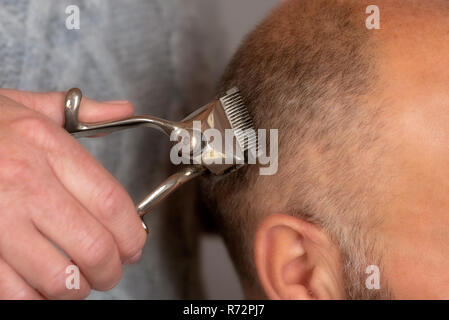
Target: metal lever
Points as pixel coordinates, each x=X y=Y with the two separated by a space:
x=168 y=187
x=81 y=130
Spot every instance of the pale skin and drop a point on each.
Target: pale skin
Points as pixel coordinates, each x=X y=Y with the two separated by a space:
x=297 y=260
x=54 y=194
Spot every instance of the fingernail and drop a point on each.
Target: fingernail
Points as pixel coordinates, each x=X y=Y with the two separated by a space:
x=117 y=102
x=134 y=258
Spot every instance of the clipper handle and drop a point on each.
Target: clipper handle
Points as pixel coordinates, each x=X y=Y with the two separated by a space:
x=81 y=130
x=168 y=187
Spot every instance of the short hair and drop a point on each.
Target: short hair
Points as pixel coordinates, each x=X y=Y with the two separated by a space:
x=307 y=70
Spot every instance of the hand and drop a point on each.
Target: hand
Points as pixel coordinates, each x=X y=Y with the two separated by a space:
x=53 y=194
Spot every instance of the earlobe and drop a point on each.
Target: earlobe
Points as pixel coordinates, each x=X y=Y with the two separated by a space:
x=293 y=260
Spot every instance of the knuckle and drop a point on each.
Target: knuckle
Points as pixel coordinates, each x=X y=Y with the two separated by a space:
x=111 y=281
x=115 y=205
x=134 y=246
x=30 y=125
x=113 y=201
x=14 y=170
x=99 y=250
x=83 y=292
x=34 y=128
x=55 y=286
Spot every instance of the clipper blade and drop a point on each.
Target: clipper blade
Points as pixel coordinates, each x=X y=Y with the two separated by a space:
x=240 y=120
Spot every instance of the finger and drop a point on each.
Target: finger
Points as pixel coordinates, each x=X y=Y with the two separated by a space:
x=51 y=104
x=37 y=261
x=79 y=235
x=13 y=287
x=99 y=193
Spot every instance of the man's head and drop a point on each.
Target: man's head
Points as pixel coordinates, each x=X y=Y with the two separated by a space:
x=362 y=176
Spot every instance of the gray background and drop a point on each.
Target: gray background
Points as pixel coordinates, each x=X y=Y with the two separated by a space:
x=238 y=18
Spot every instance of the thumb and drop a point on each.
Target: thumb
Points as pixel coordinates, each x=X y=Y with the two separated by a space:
x=51 y=104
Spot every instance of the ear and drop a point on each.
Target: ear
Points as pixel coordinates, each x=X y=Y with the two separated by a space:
x=297 y=260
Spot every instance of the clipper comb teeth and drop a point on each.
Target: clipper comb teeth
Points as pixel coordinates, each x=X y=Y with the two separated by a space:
x=240 y=120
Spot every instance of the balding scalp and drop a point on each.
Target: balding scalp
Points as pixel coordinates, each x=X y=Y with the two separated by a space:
x=307 y=70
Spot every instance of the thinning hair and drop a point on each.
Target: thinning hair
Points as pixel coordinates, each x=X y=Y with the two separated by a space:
x=309 y=71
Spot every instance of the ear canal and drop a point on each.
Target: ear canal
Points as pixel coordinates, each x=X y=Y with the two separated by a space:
x=298 y=271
